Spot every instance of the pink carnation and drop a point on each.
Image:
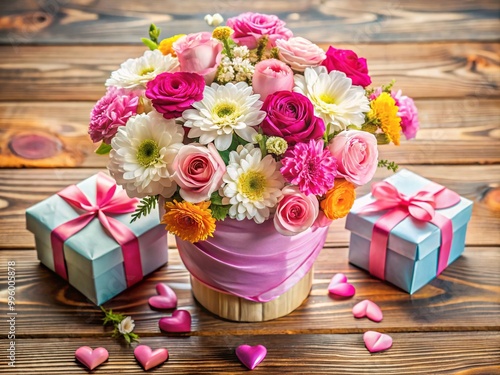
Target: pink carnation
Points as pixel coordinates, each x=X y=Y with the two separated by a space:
x=408 y=113
x=250 y=27
x=110 y=112
x=310 y=166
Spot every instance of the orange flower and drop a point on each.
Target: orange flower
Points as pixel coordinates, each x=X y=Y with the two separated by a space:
x=165 y=45
x=188 y=221
x=338 y=200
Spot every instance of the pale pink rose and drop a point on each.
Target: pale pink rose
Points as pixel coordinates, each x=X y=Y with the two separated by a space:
x=357 y=155
x=300 y=53
x=271 y=76
x=199 y=172
x=199 y=53
x=296 y=212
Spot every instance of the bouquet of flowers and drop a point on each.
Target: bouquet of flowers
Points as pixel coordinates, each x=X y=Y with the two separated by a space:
x=246 y=122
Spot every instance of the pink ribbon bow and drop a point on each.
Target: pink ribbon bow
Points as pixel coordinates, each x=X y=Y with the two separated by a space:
x=108 y=201
x=421 y=206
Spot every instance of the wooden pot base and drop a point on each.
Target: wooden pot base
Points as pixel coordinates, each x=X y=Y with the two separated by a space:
x=238 y=309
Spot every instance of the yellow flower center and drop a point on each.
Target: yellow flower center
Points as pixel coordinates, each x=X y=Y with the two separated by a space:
x=145 y=71
x=252 y=185
x=326 y=98
x=147 y=153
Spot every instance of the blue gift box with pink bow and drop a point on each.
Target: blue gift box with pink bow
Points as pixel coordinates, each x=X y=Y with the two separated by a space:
x=408 y=230
x=84 y=234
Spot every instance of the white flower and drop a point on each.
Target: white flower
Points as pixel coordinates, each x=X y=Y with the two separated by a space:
x=214 y=20
x=223 y=111
x=333 y=96
x=252 y=184
x=142 y=154
x=136 y=73
x=127 y=325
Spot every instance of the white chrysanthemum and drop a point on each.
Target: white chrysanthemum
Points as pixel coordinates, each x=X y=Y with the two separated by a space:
x=136 y=73
x=142 y=154
x=223 y=111
x=333 y=96
x=252 y=184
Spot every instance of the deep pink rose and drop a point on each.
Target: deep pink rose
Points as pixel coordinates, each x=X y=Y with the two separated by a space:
x=300 y=53
x=199 y=53
x=173 y=93
x=290 y=115
x=357 y=155
x=296 y=212
x=345 y=60
x=250 y=27
x=198 y=172
x=271 y=75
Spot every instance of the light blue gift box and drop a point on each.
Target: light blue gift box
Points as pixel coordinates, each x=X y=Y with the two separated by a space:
x=94 y=260
x=413 y=246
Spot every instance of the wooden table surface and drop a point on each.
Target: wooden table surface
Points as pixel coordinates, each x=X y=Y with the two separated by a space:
x=54 y=58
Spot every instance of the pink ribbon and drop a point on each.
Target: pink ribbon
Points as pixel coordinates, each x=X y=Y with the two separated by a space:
x=251 y=260
x=108 y=201
x=421 y=206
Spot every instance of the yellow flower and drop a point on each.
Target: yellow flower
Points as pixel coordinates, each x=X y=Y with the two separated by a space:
x=384 y=112
x=222 y=32
x=338 y=200
x=188 y=221
x=166 y=45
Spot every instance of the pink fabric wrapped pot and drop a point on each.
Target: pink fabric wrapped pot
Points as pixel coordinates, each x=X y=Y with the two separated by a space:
x=252 y=261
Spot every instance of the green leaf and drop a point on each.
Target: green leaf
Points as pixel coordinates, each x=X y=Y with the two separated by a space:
x=154 y=33
x=103 y=149
x=145 y=206
x=219 y=212
x=149 y=43
x=216 y=199
x=390 y=165
x=382 y=139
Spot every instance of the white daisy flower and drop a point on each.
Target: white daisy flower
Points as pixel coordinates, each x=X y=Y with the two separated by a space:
x=136 y=73
x=252 y=184
x=223 y=111
x=142 y=154
x=333 y=96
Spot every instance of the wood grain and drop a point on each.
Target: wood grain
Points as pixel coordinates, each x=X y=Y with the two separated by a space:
x=446 y=125
x=20 y=189
x=430 y=70
x=412 y=353
x=113 y=21
x=465 y=297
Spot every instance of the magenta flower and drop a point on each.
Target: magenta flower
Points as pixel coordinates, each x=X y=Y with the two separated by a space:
x=110 y=112
x=290 y=115
x=310 y=166
x=173 y=93
x=345 y=60
x=408 y=113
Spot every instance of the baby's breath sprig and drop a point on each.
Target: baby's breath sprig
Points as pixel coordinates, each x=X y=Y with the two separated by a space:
x=123 y=325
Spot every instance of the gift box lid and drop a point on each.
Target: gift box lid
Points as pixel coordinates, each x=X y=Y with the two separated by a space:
x=411 y=238
x=92 y=250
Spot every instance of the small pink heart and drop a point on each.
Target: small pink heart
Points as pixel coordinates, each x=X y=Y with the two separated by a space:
x=149 y=358
x=167 y=299
x=340 y=287
x=376 y=341
x=251 y=356
x=369 y=309
x=91 y=357
x=180 y=321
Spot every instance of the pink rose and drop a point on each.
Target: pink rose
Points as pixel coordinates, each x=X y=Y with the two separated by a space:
x=199 y=172
x=250 y=27
x=199 y=53
x=296 y=212
x=300 y=53
x=271 y=76
x=347 y=61
x=357 y=155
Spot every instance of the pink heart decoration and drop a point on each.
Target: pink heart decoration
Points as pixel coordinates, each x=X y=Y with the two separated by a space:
x=180 y=321
x=369 y=309
x=167 y=299
x=251 y=356
x=149 y=358
x=91 y=357
x=376 y=341
x=340 y=287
